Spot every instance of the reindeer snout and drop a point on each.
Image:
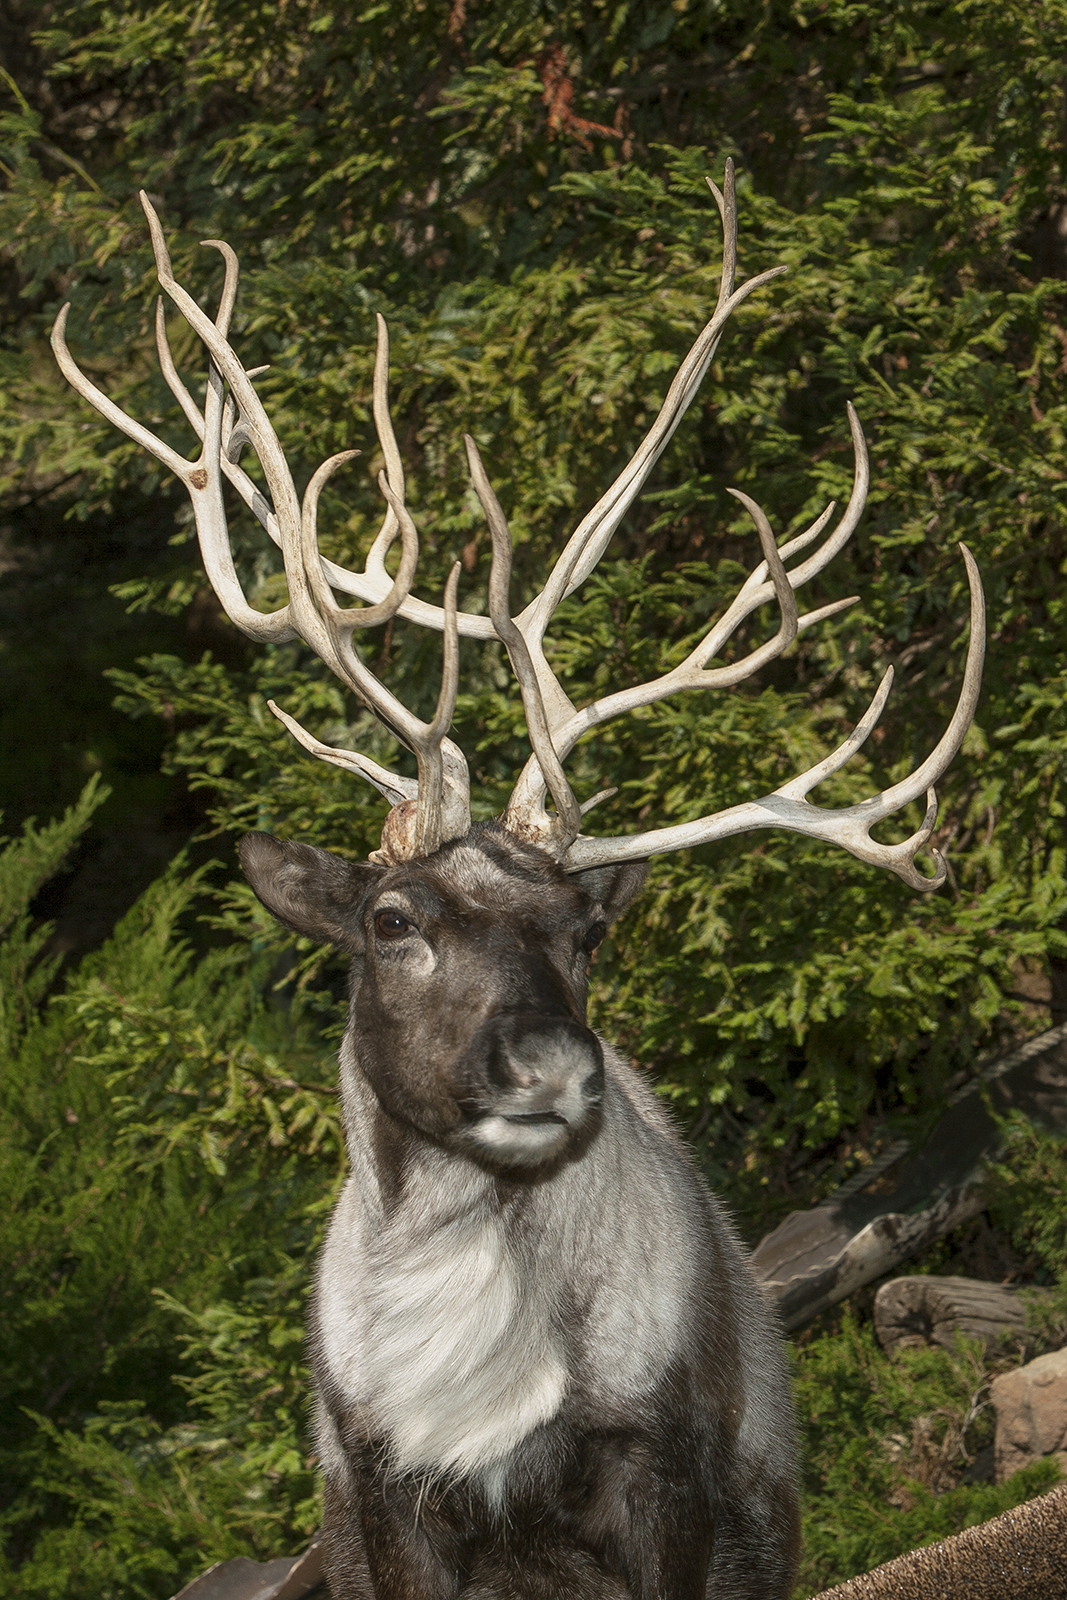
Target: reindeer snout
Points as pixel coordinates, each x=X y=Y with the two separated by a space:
x=547 y=1069
x=542 y=1081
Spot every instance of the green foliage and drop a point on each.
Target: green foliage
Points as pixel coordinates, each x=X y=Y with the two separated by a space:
x=130 y=1504
x=26 y=864
x=170 y=1148
x=124 y=1506
x=542 y=277
x=1028 y=1197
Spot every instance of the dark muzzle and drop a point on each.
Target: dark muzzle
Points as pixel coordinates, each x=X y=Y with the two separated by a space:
x=535 y=1085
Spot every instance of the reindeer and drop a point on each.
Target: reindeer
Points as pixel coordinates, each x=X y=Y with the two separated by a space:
x=542 y=1367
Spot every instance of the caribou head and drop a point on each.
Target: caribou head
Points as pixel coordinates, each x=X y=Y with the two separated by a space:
x=469 y=976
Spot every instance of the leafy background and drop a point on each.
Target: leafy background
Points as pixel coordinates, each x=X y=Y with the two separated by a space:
x=520 y=190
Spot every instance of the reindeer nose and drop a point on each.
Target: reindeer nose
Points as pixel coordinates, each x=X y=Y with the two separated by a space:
x=543 y=1069
x=534 y=1090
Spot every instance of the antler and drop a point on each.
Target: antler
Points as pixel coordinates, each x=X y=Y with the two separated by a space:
x=788 y=806
x=555 y=725
x=438 y=807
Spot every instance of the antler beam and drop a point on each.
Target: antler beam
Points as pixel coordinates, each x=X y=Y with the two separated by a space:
x=850 y=827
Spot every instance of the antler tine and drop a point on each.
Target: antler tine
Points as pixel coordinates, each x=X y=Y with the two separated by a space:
x=850 y=827
x=201 y=478
x=344 y=619
x=438 y=807
x=446 y=697
x=233 y=439
x=593 y=534
x=228 y=298
x=568 y=821
x=526 y=799
x=947 y=747
x=441 y=808
x=783 y=589
x=756 y=590
x=437 y=790
x=394 y=466
x=193 y=415
x=727 y=205
x=312 y=610
x=374 y=583
x=395 y=788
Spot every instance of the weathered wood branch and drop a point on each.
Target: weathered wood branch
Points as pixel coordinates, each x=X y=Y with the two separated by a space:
x=923 y=1310
x=817 y=1257
x=287 y=1578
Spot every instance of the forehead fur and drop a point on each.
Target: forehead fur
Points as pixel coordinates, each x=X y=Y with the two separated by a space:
x=491 y=868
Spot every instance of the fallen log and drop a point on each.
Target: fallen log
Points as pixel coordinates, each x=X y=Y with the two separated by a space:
x=924 y=1310
x=817 y=1257
x=1021 y=1555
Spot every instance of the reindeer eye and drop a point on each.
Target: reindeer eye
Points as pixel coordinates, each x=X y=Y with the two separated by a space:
x=391 y=925
x=594 y=937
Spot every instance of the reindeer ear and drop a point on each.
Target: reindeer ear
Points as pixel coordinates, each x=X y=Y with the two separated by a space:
x=613 y=887
x=310 y=890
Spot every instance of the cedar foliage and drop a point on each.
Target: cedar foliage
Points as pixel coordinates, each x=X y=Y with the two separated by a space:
x=520 y=190
x=168 y=1154
x=542 y=278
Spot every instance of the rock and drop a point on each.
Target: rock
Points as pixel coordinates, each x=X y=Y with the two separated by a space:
x=924 y=1310
x=1031 y=1407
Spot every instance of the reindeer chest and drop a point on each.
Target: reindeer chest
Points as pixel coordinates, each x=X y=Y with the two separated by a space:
x=437 y=1329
